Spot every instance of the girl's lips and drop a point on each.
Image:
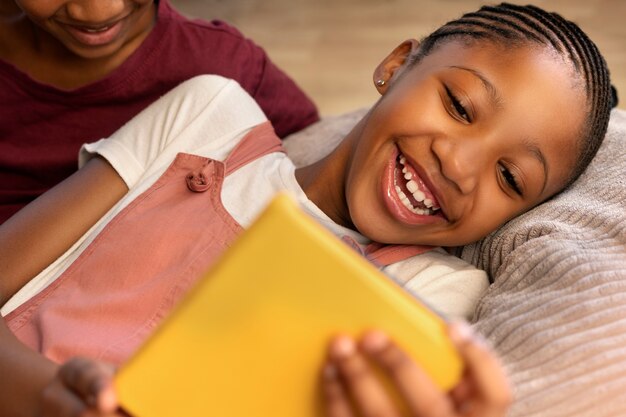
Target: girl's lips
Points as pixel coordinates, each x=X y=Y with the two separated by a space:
x=393 y=201
x=94 y=36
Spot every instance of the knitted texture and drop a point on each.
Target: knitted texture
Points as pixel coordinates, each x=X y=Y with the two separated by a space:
x=556 y=312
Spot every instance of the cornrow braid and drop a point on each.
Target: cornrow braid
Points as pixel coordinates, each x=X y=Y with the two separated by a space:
x=516 y=25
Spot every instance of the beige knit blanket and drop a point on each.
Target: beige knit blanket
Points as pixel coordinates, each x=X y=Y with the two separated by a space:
x=556 y=312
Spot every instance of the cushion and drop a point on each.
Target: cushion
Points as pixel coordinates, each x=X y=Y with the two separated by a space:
x=556 y=311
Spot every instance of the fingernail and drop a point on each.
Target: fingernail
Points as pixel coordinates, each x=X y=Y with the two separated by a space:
x=108 y=400
x=375 y=341
x=460 y=332
x=342 y=347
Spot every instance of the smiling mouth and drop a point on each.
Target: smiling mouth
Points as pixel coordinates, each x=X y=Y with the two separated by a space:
x=412 y=192
x=94 y=30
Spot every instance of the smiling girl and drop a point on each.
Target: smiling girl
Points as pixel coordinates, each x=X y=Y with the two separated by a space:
x=482 y=120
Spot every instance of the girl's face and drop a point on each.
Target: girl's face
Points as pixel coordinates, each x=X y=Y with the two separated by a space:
x=91 y=28
x=463 y=141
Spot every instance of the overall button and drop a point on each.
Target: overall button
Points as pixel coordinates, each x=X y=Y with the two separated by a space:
x=199 y=182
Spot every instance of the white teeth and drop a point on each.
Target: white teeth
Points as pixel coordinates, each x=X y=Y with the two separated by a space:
x=416 y=193
x=96 y=30
x=407 y=203
x=412 y=186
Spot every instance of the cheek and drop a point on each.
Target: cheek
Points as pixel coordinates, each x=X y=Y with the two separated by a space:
x=40 y=11
x=490 y=213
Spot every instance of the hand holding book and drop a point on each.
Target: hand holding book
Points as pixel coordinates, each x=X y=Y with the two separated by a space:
x=348 y=382
x=352 y=388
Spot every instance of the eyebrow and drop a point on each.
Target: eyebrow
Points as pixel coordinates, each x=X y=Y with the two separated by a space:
x=494 y=96
x=496 y=101
x=533 y=149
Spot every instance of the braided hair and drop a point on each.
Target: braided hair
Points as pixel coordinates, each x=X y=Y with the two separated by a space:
x=516 y=25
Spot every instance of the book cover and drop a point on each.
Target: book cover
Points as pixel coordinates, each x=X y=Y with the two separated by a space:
x=251 y=337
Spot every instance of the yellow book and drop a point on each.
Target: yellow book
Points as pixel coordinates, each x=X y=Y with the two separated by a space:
x=251 y=336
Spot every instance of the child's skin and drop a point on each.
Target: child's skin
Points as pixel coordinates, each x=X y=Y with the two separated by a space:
x=466 y=164
x=61 y=48
x=350 y=387
x=466 y=118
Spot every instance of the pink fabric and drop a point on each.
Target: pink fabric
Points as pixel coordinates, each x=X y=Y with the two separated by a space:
x=121 y=287
x=129 y=278
x=383 y=255
x=43 y=127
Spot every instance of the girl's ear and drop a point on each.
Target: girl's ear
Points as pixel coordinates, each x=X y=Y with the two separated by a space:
x=393 y=64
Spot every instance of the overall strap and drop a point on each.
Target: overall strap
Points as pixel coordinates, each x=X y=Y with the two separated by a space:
x=260 y=141
x=383 y=255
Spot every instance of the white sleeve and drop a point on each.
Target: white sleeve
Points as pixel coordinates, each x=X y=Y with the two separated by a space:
x=448 y=284
x=201 y=113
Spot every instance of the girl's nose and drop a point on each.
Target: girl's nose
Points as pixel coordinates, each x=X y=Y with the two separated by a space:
x=461 y=161
x=95 y=11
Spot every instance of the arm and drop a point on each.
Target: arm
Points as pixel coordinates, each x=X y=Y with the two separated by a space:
x=32 y=385
x=31 y=240
x=38 y=234
x=24 y=376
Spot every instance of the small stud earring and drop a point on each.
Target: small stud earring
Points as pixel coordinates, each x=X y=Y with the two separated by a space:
x=380 y=82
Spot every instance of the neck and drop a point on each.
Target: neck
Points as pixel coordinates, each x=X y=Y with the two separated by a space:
x=324 y=181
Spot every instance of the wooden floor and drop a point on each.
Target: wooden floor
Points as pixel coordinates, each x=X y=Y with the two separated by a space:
x=331 y=47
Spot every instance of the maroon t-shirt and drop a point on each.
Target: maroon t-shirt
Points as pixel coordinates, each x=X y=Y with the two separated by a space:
x=42 y=127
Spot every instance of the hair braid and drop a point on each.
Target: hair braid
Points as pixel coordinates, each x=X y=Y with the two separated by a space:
x=516 y=25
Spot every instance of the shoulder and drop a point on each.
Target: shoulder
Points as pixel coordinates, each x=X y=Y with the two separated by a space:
x=451 y=285
x=223 y=95
x=206 y=47
x=436 y=259
x=201 y=32
x=204 y=115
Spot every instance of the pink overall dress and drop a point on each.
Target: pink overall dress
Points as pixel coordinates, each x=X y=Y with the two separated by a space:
x=135 y=271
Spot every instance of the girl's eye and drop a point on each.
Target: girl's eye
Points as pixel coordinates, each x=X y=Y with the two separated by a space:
x=510 y=179
x=458 y=107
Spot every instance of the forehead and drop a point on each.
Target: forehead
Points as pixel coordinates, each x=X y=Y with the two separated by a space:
x=541 y=99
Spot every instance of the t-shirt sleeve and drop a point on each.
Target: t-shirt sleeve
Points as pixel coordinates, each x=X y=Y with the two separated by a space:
x=446 y=283
x=203 y=113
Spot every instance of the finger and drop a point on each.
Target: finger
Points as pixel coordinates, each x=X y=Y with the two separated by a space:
x=421 y=394
x=57 y=400
x=463 y=397
x=365 y=389
x=92 y=381
x=483 y=368
x=336 y=402
x=462 y=392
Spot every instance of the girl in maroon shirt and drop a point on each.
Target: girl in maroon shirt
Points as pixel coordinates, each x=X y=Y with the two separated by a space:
x=74 y=72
